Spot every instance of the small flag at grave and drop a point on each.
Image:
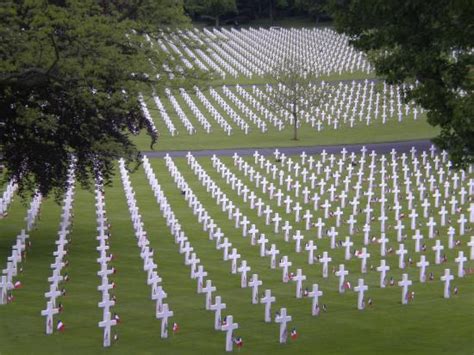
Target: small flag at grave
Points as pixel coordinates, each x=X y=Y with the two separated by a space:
x=60 y=327
x=17 y=284
x=175 y=327
x=117 y=318
x=238 y=342
x=294 y=334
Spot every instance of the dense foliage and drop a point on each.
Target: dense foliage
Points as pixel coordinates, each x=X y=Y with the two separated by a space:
x=70 y=75
x=428 y=45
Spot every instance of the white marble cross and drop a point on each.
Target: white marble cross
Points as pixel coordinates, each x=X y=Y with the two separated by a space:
x=299 y=278
x=471 y=245
x=360 y=289
x=164 y=315
x=298 y=237
x=401 y=251
x=268 y=300
x=49 y=313
x=422 y=264
x=417 y=238
x=217 y=307
x=255 y=283
x=446 y=278
x=107 y=323
x=229 y=328
x=208 y=290
x=437 y=248
x=233 y=256
x=285 y=264
x=310 y=248
x=363 y=255
x=404 y=283
x=315 y=294
x=383 y=268
x=460 y=261
x=273 y=252
x=200 y=274
x=325 y=260
x=347 y=248
x=341 y=273
x=262 y=241
x=243 y=269
x=283 y=319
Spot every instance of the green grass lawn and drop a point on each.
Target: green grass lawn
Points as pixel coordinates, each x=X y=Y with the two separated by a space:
x=429 y=325
x=377 y=132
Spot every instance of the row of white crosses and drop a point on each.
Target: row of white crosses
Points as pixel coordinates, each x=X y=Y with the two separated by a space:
x=16 y=256
x=338 y=106
x=221 y=121
x=254 y=283
x=106 y=301
x=364 y=255
x=180 y=113
x=147 y=114
x=195 y=110
x=252 y=51
x=146 y=253
x=240 y=122
x=7 y=196
x=199 y=54
x=190 y=258
x=264 y=111
x=59 y=254
x=164 y=115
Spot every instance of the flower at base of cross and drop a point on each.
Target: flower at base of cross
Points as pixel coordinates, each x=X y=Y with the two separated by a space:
x=238 y=342
x=175 y=327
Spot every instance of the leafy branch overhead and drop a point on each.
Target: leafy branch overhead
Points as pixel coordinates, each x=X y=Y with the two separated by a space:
x=429 y=45
x=71 y=74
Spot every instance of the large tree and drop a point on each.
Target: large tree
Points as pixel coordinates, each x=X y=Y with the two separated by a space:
x=429 y=45
x=70 y=76
x=294 y=90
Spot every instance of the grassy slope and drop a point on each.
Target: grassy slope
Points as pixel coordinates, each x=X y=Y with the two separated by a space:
x=429 y=325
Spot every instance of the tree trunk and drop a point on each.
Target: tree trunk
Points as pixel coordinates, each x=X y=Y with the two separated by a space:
x=295 y=125
x=217 y=21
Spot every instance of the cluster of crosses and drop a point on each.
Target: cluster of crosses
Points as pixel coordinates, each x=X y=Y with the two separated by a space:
x=7 y=197
x=55 y=289
x=13 y=266
x=242 y=222
x=252 y=51
x=158 y=294
x=341 y=105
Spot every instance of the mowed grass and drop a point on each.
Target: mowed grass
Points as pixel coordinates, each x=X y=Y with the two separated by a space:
x=374 y=133
x=429 y=325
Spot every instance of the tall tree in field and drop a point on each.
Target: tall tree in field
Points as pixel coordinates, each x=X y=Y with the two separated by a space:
x=213 y=9
x=428 y=44
x=294 y=91
x=70 y=76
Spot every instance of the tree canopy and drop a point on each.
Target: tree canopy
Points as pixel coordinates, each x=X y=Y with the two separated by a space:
x=429 y=45
x=211 y=8
x=70 y=76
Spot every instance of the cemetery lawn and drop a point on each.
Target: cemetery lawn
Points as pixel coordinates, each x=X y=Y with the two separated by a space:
x=428 y=325
x=374 y=133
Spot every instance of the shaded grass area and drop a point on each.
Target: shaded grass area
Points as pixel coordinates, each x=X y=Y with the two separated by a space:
x=430 y=324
